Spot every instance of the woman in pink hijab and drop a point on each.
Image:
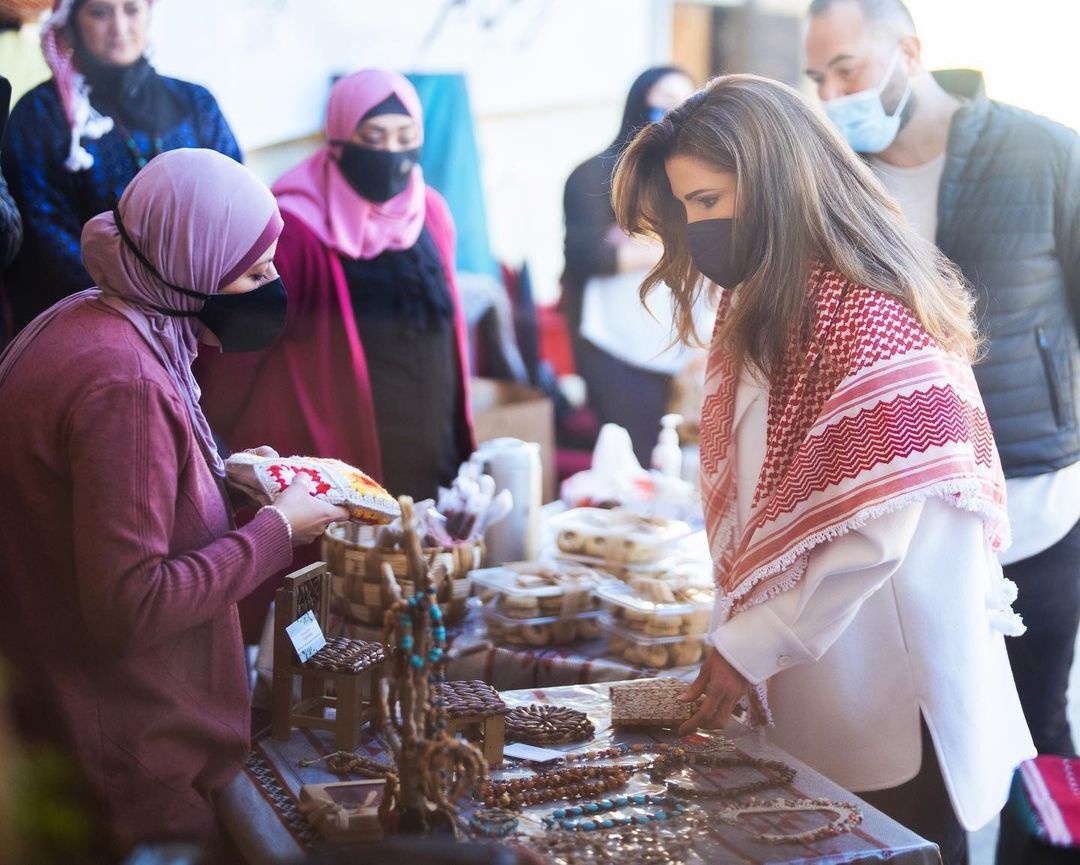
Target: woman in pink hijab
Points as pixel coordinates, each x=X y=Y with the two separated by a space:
x=122 y=565
x=372 y=366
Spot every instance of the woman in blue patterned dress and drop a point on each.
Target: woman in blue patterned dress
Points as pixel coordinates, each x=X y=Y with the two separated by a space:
x=74 y=142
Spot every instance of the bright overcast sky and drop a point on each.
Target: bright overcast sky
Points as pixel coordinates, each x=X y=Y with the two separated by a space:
x=1028 y=49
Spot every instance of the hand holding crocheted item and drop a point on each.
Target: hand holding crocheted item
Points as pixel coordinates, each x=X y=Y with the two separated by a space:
x=265 y=478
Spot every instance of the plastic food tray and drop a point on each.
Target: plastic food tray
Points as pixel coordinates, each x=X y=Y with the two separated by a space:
x=625 y=604
x=541 y=631
x=660 y=653
x=615 y=537
x=504 y=581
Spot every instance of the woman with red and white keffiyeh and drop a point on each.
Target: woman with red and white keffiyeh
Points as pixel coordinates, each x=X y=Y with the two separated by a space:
x=853 y=495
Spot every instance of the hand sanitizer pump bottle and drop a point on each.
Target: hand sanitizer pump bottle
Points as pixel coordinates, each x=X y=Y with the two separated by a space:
x=667 y=455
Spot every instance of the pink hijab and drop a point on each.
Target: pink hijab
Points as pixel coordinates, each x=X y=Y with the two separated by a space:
x=202 y=220
x=317 y=192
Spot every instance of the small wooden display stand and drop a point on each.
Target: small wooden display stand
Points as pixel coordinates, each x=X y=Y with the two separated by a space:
x=475 y=709
x=352 y=666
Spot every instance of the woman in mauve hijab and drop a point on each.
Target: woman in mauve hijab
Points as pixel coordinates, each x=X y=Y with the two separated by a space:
x=122 y=565
x=372 y=365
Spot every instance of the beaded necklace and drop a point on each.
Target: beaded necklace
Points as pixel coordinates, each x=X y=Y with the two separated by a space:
x=654 y=843
x=157 y=146
x=493 y=822
x=776 y=774
x=562 y=818
x=848 y=816
x=570 y=784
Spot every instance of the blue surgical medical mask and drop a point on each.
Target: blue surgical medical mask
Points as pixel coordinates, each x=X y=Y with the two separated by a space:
x=861 y=116
x=656 y=115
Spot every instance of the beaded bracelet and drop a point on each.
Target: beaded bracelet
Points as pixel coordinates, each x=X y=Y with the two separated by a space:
x=560 y=817
x=776 y=774
x=281 y=514
x=848 y=816
x=493 y=822
x=654 y=843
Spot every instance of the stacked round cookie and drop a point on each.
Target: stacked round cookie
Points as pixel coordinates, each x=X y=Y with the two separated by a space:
x=654 y=625
x=539 y=604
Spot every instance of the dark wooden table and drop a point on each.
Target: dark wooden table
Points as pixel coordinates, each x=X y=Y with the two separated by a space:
x=259 y=807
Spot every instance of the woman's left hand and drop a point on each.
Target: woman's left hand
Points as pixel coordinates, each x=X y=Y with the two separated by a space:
x=241 y=495
x=723 y=687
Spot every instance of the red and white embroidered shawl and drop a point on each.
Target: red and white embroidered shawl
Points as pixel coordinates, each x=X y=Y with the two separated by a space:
x=870 y=415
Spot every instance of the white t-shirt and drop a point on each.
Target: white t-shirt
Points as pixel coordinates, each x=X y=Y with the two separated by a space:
x=1044 y=507
x=916 y=189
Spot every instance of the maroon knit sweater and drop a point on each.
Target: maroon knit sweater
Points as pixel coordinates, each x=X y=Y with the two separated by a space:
x=119 y=576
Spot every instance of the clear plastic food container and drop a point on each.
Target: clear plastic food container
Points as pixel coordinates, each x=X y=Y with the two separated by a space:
x=654 y=609
x=607 y=537
x=549 y=585
x=541 y=631
x=640 y=650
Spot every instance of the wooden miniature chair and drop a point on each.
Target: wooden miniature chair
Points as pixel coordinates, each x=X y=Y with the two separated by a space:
x=474 y=707
x=348 y=664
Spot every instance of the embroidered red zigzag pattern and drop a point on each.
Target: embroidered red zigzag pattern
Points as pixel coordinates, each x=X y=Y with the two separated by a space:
x=853 y=329
x=906 y=424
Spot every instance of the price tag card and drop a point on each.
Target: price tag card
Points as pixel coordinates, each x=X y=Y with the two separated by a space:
x=521 y=751
x=306 y=635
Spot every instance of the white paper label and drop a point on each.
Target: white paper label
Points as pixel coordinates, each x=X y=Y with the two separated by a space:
x=521 y=751
x=306 y=635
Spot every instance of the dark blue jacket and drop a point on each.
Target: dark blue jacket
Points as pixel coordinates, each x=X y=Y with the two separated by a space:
x=1009 y=216
x=56 y=203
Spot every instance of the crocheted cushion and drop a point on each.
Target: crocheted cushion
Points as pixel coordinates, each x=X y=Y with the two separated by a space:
x=470 y=698
x=341 y=655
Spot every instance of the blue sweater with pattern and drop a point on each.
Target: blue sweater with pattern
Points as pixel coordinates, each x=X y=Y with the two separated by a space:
x=56 y=203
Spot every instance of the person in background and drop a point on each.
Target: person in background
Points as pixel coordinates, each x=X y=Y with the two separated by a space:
x=122 y=565
x=998 y=190
x=21 y=60
x=74 y=142
x=372 y=366
x=10 y=218
x=622 y=351
x=853 y=497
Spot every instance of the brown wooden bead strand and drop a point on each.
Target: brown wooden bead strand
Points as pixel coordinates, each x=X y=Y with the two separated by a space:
x=569 y=784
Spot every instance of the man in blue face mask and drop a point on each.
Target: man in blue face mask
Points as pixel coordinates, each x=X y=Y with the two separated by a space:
x=998 y=190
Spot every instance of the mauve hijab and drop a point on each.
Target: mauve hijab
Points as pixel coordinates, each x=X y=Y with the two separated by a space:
x=202 y=219
x=317 y=192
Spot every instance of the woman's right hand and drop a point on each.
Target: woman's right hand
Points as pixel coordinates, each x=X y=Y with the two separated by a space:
x=307 y=515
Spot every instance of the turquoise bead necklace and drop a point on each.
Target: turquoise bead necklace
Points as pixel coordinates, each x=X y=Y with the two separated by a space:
x=157 y=146
x=569 y=818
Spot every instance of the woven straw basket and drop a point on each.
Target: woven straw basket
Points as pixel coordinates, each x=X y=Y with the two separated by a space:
x=356 y=567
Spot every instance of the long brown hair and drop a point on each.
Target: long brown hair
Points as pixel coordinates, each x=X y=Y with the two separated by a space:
x=802 y=197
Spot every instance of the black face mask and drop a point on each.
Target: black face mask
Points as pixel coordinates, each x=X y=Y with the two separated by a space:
x=251 y=321
x=377 y=175
x=710 y=242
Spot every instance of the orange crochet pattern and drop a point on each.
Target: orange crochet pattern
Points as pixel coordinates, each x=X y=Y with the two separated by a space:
x=339 y=483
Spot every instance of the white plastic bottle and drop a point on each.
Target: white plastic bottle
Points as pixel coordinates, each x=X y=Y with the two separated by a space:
x=667 y=455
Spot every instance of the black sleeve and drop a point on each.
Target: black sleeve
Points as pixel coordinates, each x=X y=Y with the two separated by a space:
x=589 y=217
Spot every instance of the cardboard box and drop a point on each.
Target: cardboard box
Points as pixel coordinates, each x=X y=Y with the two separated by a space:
x=505 y=408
